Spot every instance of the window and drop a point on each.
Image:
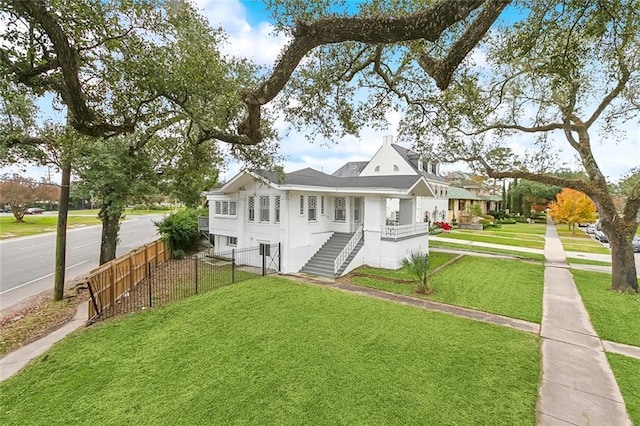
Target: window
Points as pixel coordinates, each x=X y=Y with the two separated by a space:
x=232 y=241
x=265 y=249
x=277 y=207
x=252 y=208
x=460 y=204
x=356 y=209
x=322 y=205
x=226 y=208
x=396 y=168
x=377 y=169
x=302 y=205
x=264 y=208
x=340 y=207
x=312 y=202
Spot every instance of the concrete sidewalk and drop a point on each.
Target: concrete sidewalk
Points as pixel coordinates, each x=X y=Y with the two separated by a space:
x=18 y=359
x=577 y=385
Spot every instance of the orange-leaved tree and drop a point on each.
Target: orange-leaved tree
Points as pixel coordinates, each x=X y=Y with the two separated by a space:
x=572 y=207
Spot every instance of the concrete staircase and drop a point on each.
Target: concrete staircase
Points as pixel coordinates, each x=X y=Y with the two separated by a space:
x=321 y=263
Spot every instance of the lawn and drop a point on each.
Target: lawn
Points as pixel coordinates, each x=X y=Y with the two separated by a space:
x=585 y=245
x=268 y=351
x=612 y=314
x=480 y=249
x=38 y=224
x=627 y=372
x=506 y=287
x=581 y=261
x=436 y=260
x=517 y=240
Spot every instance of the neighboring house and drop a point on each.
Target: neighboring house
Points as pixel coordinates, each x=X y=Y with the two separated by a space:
x=331 y=224
x=460 y=200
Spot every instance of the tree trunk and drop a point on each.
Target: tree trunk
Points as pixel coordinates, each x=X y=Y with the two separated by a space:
x=109 y=241
x=623 y=275
x=61 y=232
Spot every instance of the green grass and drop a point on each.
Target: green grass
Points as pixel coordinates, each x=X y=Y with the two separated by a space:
x=479 y=249
x=505 y=287
x=268 y=351
x=517 y=240
x=519 y=228
x=627 y=372
x=610 y=312
x=37 y=224
x=581 y=261
x=435 y=261
x=585 y=246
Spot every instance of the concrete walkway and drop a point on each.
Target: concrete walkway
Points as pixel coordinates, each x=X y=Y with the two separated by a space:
x=18 y=359
x=577 y=385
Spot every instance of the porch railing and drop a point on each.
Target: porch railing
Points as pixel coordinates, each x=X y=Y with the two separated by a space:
x=346 y=251
x=203 y=223
x=395 y=232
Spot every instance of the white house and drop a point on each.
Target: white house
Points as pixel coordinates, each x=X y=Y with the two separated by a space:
x=331 y=224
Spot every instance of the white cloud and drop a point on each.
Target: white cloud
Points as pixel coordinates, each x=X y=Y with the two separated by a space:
x=258 y=43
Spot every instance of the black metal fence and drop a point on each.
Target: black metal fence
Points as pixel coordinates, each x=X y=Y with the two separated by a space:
x=177 y=279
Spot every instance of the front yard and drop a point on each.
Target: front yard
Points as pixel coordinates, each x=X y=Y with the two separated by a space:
x=506 y=287
x=268 y=351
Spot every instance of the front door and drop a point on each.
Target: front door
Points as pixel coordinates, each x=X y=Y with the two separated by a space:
x=358 y=213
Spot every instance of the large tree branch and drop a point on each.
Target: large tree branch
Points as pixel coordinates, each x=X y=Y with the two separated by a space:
x=622 y=82
x=501 y=126
x=83 y=117
x=442 y=70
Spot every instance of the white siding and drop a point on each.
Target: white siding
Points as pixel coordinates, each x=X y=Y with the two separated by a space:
x=386 y=158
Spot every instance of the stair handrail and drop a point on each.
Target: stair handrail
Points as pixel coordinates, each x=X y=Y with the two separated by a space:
x=346 y=251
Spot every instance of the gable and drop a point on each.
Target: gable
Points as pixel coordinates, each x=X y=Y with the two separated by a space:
x=387 y=161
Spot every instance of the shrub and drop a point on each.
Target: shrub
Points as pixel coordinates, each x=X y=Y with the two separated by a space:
x=178 y=254
x=180 y=229
x=417 y=263
x=488 y=217
x=498 y=214
x=506 y=221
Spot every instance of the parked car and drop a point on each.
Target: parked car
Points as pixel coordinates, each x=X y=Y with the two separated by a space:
x=635 y=243
x=591 y=229
x=34 y=210
x=600 y=236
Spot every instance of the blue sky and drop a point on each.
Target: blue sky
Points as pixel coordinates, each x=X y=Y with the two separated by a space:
x=251 y=35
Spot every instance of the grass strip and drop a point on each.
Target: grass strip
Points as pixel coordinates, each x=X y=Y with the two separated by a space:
x=513 y=241
x=609 y=311
x=268 y=351
x=581 y=261
x=32 y=225
x=490 y=250
x=627 y=372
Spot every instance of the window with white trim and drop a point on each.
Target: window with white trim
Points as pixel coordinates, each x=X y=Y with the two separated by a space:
x=252 y=208
x=377 y=169
x=226 y=208
x=264 y=208
x=302 y=205
x=356 y=209
x=312 y=203
x=340 y=209
x=232 y=241
x=322 y=204
x=277 y=209
x=396 y=168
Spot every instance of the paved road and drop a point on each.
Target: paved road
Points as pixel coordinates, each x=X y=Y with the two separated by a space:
x=27 y=264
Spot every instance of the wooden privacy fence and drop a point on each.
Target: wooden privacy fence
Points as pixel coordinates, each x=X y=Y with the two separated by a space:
x=109 y=282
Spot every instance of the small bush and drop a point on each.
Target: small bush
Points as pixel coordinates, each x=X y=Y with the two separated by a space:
x=178 y=254
x=506 y=221
x=180 y=229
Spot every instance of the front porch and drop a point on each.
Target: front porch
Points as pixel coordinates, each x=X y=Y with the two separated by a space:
x=398 y=232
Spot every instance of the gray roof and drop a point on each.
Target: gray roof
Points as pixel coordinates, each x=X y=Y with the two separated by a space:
x=311 y=177
x=412 y=158
x=352 y=168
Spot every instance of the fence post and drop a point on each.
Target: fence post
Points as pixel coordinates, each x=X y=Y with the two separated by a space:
x=195 y=258
x=233 y=266
x=112 y=285
x=149 y=281
x=279 y=257
x=264 y=260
